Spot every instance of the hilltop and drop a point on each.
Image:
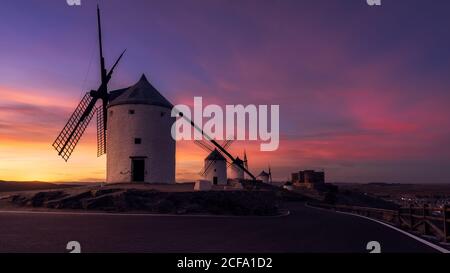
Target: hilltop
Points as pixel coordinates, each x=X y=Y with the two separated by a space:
x=11 y=186
x=255 y=199
x=152 y=198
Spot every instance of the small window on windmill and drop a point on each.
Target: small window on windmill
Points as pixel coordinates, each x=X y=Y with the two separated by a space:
x=111 y=113
x=137 y=141
x=162 y=114
x=131 y=111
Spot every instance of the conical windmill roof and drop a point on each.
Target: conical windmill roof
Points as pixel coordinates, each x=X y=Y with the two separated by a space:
x=215 y=156
x=140 y=93
x=263 y=173
x=238 y=161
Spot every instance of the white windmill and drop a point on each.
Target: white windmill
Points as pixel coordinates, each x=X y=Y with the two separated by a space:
x=265 y=177
x=139 y=143
x=134 y=127
x=215 y=169
x=236 y=169
x=216 y=164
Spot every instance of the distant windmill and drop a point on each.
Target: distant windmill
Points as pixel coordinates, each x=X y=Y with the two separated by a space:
x=215 y=167
x=245 y=160
x=237 y=169
x=270 y=175
x=265 y=177
x=221 y=149
x=216 y=163
x=67 y=140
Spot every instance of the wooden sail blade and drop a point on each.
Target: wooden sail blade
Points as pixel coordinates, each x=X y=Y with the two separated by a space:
x=101 y=132
x=204 y=145
x=73 y=130
x=205 y=170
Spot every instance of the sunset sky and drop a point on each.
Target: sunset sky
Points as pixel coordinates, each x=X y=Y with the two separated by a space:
x=364 y=92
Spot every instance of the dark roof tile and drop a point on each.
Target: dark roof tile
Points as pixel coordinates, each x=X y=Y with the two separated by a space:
x=140 y=93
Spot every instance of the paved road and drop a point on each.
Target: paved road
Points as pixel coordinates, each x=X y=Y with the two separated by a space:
x=304 y=230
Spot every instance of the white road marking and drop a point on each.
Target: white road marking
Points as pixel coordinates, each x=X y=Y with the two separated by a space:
x=429 y=244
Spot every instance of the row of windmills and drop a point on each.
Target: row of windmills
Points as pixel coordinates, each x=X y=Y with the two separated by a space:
x=218 y=170
x=134 y=130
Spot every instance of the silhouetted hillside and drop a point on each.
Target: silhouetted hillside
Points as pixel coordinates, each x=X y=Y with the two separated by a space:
x=9 y=186
x=117 y=198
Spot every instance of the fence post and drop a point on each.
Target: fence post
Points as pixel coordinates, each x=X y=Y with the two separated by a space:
x=426 y=229
x=399 y=217
x=446 y=224
x=411 y=220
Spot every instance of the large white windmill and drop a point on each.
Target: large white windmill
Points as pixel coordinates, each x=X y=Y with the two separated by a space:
x=139 y=142
x=133 y=126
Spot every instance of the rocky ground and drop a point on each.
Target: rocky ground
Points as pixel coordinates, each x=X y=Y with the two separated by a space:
x=342 y=196
x=125 y=198
x=254 y=199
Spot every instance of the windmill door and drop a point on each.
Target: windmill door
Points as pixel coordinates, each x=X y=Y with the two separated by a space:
x=138 y=170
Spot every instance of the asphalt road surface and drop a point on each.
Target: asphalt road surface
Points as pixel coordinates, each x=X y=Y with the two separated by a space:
x=304 y=230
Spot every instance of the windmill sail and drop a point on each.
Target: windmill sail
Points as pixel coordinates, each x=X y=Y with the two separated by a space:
x=213 y=142
x=227 y=143
x=71 y=133
x=103 y=93
x=205 y=170
x=101 y=132
x=209 y=147
x=270 y=175
x=245 y=160
x=204 y=145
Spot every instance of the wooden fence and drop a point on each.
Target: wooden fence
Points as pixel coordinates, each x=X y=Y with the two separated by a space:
x=423 y=220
